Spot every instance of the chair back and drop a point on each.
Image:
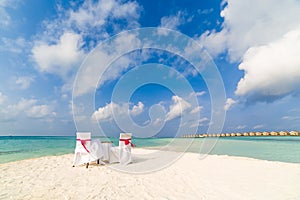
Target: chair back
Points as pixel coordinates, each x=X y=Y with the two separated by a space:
x=125 y=139
x=83 y=142
x=125 y=148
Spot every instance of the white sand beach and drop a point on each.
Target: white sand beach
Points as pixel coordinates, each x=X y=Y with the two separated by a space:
x=215 y=177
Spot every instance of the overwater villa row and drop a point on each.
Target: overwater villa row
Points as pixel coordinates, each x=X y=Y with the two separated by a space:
x=273 y=133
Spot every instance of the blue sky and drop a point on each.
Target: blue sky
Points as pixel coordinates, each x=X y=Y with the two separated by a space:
x=43 y=46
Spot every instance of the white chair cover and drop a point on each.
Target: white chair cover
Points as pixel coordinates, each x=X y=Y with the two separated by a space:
x=86 y=150
x=125 y=148
x=122 y=154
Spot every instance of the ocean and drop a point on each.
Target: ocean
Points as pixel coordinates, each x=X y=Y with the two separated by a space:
x=283 y=149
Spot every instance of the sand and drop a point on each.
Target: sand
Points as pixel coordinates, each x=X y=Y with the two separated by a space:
x=215 y=177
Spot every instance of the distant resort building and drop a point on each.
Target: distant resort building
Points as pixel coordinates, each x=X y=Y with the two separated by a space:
x=246 y=134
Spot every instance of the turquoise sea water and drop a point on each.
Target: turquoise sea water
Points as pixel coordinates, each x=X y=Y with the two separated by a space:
x=284 y=149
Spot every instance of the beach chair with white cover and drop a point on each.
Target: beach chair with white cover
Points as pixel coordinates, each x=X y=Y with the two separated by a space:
x=122 y=153
x=86 y=150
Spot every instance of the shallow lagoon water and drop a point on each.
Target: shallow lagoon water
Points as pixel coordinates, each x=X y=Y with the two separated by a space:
x=284 y=149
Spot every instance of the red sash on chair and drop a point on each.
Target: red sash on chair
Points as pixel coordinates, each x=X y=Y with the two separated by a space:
x=83 y=142
x=127 y=141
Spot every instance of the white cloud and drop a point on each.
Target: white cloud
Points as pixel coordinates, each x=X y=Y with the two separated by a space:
x=270 y=20
x=24 y=82
x=91 y=19
x=87 y=16
x=39 y=111
x=266 y=45
x=128 y=9
x=97 y=14
x=272 y=70
x=61 y=57
x=177 y=108
x=2 y=98
x=60 y=48
x=199 y=122
x=198 y=94
x=63 y=42
x=91 y=75
x=214 y=42
x=137 y=109
x=157 y=112
x=196 y=109
x=13 y=111
x=21 y=106
x=172 y=21
x=5 y=17
x=27 y=107
x=158 y=121
x=205 y=11
x=229 y=103
x=16 y=45
x=203 y=120
x=96 y=69
x=105 y=113
x=5 y=6
x=240 y=127
x=258 y=126
x=290 y=117
x=286 y=117
x=199 y=57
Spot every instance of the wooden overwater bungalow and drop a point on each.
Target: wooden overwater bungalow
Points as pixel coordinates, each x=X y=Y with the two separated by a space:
x=273 y=133
x=251 y=134
x=258 y=134
x=283 y=133
x=265 y=133
x=294 y=133
x=246 y=134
